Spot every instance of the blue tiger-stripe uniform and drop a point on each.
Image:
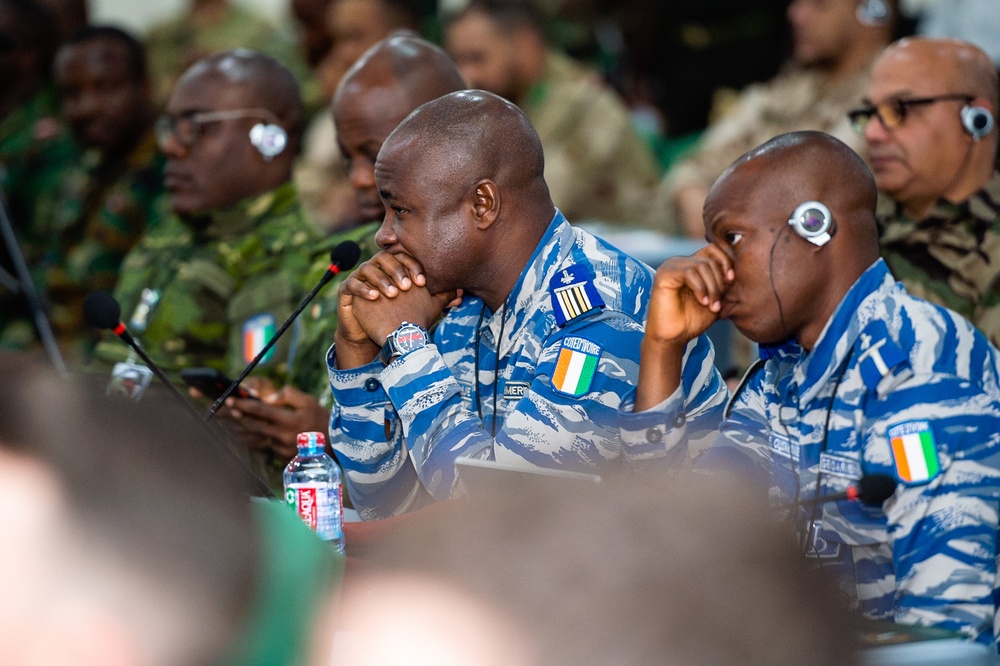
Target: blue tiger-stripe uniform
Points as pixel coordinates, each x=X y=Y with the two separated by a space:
x=896 y=386
x=569 y=352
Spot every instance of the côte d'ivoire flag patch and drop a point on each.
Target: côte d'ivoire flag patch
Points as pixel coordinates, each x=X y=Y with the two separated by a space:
x=914 y=451
x=576 y=366
x=257 y=332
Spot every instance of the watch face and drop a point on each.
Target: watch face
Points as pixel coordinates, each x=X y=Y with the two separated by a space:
x=409 y=338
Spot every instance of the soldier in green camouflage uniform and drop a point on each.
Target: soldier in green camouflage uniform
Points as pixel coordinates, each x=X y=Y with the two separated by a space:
x=939 y=215
x=389 y=81
x=106 y=200
x=596 y=165
x=34 y=145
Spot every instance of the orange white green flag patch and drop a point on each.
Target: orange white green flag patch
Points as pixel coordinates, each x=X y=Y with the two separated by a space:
x=576 y=366
x=914 y=451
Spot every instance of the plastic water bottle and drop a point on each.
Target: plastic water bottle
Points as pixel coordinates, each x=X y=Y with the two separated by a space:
x=312 y=488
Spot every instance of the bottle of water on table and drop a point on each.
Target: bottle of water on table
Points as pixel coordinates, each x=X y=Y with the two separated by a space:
x=312 y=488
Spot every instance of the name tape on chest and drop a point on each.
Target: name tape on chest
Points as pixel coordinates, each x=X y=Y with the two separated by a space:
x=576 y=366
x=573 y=294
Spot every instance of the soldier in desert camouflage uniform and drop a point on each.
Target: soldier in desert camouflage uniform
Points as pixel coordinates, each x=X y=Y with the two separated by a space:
x=856 y=378
x=940 y=216
x=596 y=165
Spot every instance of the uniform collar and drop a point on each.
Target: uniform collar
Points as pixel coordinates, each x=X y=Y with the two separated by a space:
x=850 y=318
x=982 y=206
x=241 y=218
x=531 y=289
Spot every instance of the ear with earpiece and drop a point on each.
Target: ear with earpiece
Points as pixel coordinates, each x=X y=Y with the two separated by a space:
x=813 y=222
x=269 y=140
x=874 y=13
x=977 y=120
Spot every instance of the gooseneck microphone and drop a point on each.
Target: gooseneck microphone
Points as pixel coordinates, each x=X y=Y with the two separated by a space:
x=103 y=311
x=870 y=489
x=342 y=258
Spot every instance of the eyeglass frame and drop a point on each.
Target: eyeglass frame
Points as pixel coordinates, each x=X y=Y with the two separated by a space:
x=165 y=126
x=860 y=117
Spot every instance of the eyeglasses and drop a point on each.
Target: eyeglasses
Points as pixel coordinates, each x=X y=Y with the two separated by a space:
x=186 y=128
x=892 y=113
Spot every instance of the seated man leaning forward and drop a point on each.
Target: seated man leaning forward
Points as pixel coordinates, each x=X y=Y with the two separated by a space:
x=530 y=368
x=857 y=378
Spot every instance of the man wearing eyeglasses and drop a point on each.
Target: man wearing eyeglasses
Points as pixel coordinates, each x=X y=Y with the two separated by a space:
x=928 y=120
x=209 y=285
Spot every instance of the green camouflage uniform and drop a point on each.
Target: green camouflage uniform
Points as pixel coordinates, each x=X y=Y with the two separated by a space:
x=35 y=148
x=596 y=165
x=317 y=324
x=952 y=256
x=220 y=283
x=177 y=44
x=99 y=213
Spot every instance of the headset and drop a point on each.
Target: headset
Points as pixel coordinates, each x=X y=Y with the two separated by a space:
x=812 y=221
x=874 y=13
x=269 y=139
x=977 y=121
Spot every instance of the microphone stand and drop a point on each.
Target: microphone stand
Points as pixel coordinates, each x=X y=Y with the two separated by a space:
x=31 y=295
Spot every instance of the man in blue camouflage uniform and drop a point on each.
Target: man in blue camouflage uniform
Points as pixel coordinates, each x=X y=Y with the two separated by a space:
x=530 y=367
x=389 y=81
x=861 y=379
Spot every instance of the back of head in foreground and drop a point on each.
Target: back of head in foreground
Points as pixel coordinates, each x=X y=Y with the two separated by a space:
x=687 y=573
x=788 y=285
x=142 y=546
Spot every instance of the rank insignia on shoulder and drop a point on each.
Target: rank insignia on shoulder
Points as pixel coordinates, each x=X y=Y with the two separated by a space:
x=257 y=332
x=576 y=366
x=573 y=294
x=914 y=452
x=883 y=364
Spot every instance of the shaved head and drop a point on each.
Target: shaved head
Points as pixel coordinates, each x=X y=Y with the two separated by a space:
x=402 y=69
x=964 y=65
x=263 y=81
x=474 y=135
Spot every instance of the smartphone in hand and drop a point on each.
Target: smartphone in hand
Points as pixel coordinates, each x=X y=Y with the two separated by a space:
x=211 y=383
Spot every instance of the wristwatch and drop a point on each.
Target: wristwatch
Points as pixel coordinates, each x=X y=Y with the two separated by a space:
x=408 y=337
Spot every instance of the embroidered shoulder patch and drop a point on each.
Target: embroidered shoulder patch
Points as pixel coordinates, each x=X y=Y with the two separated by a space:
x=573 y=294
x=576 y=366
x=257 y=332
x=914 y=452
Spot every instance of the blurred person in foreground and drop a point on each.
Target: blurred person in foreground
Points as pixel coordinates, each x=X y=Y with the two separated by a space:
x=389 y=81
x=834 y=44
x=690 y=572
x=856 y=378
x=530 y=366
x=127 y=538
x=928 y=119
x=596 y=165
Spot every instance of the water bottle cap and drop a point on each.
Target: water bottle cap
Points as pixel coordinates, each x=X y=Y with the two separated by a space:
x=311 y=440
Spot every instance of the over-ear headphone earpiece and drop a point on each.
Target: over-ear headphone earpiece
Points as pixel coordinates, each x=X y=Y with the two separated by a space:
x=977 y=121
x=873 y=13
x=269 y=140
x=812 y=221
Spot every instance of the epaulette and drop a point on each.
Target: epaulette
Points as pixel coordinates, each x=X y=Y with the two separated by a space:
x=573 y=294
x=884 y=365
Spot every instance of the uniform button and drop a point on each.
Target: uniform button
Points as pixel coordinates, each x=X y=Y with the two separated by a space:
x=372 y=384
x=653 y=435
x=679 y=420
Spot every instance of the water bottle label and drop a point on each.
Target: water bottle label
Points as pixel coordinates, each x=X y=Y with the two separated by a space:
x=319 y=507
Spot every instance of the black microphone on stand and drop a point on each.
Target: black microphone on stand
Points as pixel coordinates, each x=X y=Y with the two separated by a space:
x=870 y=489
x=342 y=258
x=103 y=311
